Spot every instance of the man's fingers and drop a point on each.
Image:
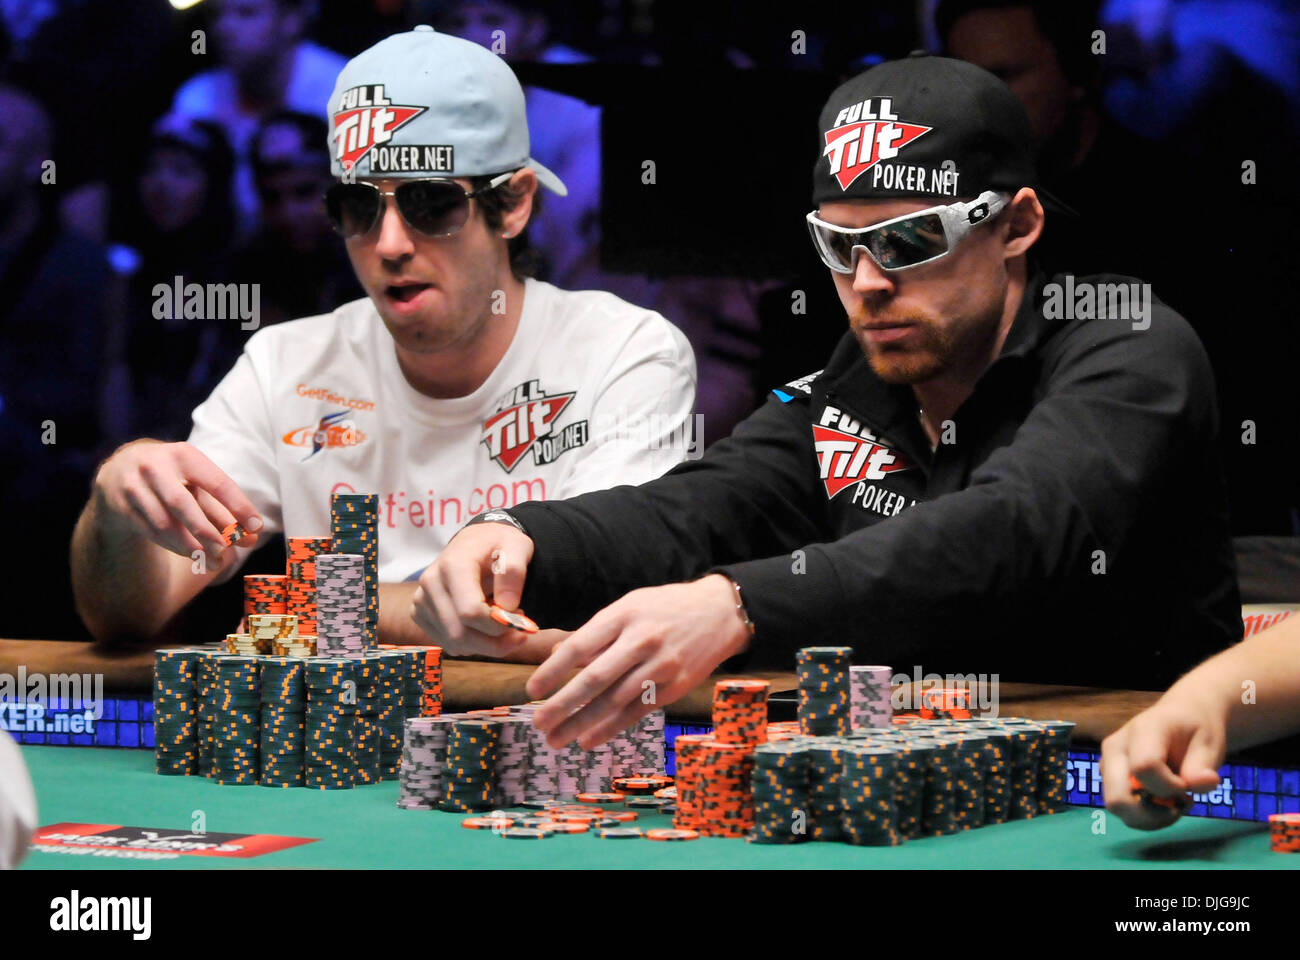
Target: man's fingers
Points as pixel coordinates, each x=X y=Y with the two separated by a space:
x=599 y=710
x=156 y=522
x=182 y=506
x=462 y=585
x=602 y=674
x=1119 y=796
x=202 y=472
x=509 y=567
x=577 y=651
x=1150 y=745
x=1200 y=767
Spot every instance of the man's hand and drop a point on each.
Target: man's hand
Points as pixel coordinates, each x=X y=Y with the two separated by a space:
x=1174 y=747
x=483 y=563
x=639 y=653
x=174 y=496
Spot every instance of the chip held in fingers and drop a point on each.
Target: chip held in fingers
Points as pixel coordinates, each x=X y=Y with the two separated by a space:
x=512 y=618
x=1177 y=804
x=233 y=533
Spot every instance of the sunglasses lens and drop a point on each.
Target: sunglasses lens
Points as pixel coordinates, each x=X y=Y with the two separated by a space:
x=436 y=209
x=908 y=242
x=352 y=208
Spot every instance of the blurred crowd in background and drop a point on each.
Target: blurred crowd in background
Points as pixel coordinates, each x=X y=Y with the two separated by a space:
x=204 y=156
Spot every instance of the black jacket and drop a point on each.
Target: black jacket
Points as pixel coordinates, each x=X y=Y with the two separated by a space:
x=1076 y=531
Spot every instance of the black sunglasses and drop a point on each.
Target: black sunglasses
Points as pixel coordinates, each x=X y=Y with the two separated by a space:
x=434 y=208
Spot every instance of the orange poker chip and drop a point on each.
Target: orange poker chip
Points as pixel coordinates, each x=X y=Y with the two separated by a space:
x=233 y=533
x=666 y=834
x=512 y=618
x=602 y=797
x=574 y=817
x=622 y=816
x=577 y=808
x=1175 y=804
x=565 y=826
x=484 y=823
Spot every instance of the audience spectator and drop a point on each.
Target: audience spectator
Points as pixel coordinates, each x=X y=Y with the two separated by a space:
x=267 y=65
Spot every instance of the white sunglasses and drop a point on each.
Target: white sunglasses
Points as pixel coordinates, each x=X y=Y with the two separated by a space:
x=906 y=241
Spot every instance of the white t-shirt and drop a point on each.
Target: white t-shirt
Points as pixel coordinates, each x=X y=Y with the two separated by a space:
x=592 y=392
x=17 y=804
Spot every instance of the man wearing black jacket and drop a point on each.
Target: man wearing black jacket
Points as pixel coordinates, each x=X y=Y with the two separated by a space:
x=996 y=472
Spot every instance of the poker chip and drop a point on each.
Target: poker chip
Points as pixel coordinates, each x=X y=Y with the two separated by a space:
x=176 y=711
x=237 y=729
x=1284 y=832
x=1176 y=804
x=558 y=826
x=621 y=816
x=620 y=833
x=945 y=703
x=331 y=724
x=354 y=531
x=283 y=721
x=825 y=765
x=649 y=803
x=720 y=777
x=780 y=793
x=867 y=795
x=541 y=804
x=637 y=785
x=667 y=793
x=512 y=618
x=601 y=797
x=740 y=711
x=300 y=578
x=369 y=695
x=424 y=757
x=824 y=702
x=341 y=605
x=537 y=823
x=870 y=696
x=1053 y=771
x=526 y=833
x=232 y=533
x=575 y=817
x=469 y=778
x=483 y=823
x=264 y=593
x=668 y=834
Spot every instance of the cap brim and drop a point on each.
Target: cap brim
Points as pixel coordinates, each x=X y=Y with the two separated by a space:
x=547 y=179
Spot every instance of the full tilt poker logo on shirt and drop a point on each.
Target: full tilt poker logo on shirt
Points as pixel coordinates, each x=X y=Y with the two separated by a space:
x=848 y=453
x=524 y=420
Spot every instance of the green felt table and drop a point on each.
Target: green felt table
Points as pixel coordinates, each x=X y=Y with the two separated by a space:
x=362 y=828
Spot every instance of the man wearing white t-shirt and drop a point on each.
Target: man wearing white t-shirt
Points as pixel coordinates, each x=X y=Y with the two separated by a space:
x=456 y=387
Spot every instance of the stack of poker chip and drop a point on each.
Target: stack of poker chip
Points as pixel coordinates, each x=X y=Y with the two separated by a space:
x=264 y=593
x=1053 y=767
x=367 y=744
x=331 y=723
x=431 y=663
x=648 y=735
x=469 y=777
x=723 y=784
x=913 y=756
x=303 y=645
x=969 y=784
x=624 y=762
x=268 y=629
x=869 y=781
x=391 y=714
x=1026 y=755
x=424 y=755
x=1284 y=832
x=512 y=760
x=997 y=774
x=542 y=781
x=569 y=774
x=340 y=605
x=939 y=801
x=870 y=693
x=945 y=703
x=740 y=711
x=209 y=707
x=284 y=721
x=689 y=748
x=825 y=806
x=598 y=769
x=176 y=711
x=300 y=578
x=824 y=700
x=354 y=529
x=243 y=645
x=237 y=736
x=780 y=793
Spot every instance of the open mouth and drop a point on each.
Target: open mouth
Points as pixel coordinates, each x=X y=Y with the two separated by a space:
x=406 y=292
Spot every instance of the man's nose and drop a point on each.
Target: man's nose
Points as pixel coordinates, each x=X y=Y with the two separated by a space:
x=869 y=279
x=394 y=241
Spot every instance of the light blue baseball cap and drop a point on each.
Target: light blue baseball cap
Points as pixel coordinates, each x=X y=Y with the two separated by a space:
x=427 y=104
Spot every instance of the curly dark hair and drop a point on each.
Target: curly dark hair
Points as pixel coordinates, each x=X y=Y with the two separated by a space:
x=524 y=258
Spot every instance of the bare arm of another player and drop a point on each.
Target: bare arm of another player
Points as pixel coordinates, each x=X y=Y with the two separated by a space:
x=1248 y=694
x=133 y=558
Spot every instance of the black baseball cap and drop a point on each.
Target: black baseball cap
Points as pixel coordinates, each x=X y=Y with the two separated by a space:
x=922 y=127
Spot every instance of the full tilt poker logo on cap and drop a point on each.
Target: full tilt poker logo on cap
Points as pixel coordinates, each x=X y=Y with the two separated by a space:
x=525 y=420
x=864 y=134
x=365 y=120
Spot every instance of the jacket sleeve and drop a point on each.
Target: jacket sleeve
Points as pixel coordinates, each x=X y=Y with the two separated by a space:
x=1120 y=412
x=750 y=495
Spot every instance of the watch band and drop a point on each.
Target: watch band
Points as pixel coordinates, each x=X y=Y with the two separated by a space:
x=740 y=607
x=498 y=516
